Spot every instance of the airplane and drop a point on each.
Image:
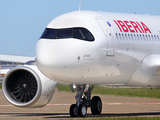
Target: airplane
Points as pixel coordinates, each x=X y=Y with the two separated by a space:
x=87 y=48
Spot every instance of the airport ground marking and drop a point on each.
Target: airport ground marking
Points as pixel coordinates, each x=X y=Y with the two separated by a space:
x=102 y=103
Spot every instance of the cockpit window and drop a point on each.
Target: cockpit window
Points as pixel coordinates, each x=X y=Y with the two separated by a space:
x=87 y=34
x=49 y=33
x=64 y=33
x=78 y=33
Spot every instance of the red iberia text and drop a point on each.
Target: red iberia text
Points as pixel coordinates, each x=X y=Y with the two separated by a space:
x=132 y=26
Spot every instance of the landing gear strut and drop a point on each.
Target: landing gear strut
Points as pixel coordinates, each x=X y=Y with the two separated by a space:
x=84 y=101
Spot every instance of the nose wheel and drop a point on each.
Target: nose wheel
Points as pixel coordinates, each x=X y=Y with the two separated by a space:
x=73 y=110
x=83 y=102
x=80 y=111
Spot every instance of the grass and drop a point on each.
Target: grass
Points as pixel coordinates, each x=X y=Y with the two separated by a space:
x=63 y=87
x=0 y=85
x=139 y=92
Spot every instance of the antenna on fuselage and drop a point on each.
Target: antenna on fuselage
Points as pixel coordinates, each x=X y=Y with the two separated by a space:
x=80 y=7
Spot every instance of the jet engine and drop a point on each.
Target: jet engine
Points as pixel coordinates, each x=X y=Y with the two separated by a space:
x=26 y=86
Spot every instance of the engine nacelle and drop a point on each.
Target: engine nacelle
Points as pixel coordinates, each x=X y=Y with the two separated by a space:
x=26 y=86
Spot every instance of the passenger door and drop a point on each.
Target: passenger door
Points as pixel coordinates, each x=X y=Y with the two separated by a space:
x=108 y=35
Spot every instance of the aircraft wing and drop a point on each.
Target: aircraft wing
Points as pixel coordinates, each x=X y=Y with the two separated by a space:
x=16 y=59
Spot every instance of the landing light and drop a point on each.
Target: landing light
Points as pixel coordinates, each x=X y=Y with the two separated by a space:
x=74 y=86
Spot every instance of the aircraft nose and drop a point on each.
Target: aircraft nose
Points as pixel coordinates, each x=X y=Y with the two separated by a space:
x=48 y=57
x=54 y=57
x=42 y=57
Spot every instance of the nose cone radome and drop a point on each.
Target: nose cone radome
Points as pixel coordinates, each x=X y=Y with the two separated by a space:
x=43 y=56
x=51 y=56
x=46 y=56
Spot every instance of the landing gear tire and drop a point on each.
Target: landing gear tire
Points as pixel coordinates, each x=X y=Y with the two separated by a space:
x=73 y=110
x=96 y=105
x=82 y=110
x=83 y=101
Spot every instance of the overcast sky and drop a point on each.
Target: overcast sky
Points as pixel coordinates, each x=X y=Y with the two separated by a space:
x=22 y=22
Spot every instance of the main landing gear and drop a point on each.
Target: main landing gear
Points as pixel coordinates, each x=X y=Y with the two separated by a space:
x=84 y=101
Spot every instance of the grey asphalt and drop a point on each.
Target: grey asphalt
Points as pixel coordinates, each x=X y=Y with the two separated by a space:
x=58 y=108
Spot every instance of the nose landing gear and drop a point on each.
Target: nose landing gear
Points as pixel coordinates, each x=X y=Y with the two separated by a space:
x=73 y=110
x=83 y=102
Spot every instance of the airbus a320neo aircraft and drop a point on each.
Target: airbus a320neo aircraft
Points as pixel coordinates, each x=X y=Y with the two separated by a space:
x=83 y=49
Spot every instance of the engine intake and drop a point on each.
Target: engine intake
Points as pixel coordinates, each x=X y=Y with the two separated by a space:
x=26 y=86
x=22 y=86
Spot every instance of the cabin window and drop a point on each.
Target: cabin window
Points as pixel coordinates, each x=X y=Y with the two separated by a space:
x=129 y=37
x=152 y=37
x=132 y=37
x=126 y=36
x=123 y=37
x=117 y=36
x=143 y=37
x=146 y=37
x=158 y=37
x=140 y=37
x=120 y=36
x=135 y=37
x=155 y=38
x=149 y=37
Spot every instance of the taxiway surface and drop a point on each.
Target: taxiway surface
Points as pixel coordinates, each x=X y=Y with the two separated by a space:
x=58 y=108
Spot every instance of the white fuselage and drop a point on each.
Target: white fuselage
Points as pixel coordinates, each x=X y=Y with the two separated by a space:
x=125 y=50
